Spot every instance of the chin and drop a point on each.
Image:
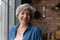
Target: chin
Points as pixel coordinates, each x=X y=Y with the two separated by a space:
x=25 y=22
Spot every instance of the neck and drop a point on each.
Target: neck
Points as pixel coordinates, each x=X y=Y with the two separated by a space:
x=23 y=25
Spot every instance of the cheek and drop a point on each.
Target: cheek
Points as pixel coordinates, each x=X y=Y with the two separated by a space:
x=20 y=17
x=29 y=17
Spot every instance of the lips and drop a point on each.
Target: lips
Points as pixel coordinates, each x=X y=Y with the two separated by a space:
x=25 y=19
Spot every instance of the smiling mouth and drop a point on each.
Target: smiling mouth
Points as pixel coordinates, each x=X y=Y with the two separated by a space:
x=25 y=19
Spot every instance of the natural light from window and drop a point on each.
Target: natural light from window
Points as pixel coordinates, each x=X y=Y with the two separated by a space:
x=0 y=2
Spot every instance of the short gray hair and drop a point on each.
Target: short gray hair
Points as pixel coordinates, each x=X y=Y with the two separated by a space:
x=25 y=6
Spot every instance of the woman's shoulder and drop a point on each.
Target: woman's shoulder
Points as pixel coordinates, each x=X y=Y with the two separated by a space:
x=35 y=28
x=13 y=27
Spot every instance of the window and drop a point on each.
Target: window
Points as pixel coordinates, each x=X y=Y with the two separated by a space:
x=0 y=19
x=0 y=2
x=7 y=16
x=3 y=19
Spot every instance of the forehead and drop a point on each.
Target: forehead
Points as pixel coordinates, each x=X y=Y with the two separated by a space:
x=25 y=10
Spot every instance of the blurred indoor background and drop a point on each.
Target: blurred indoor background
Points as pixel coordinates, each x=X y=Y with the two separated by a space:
x=47 y=17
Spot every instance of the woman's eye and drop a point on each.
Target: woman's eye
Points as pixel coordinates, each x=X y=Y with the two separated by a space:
x=22 y=13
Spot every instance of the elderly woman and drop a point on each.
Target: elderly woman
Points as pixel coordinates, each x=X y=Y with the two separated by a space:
x=25 y=30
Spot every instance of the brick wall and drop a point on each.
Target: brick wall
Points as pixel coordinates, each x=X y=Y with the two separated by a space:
x=52 y=18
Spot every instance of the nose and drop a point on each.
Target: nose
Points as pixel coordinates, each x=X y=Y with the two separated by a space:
x=25 y=16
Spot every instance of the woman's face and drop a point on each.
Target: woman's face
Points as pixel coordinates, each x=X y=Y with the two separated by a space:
x=24 y=16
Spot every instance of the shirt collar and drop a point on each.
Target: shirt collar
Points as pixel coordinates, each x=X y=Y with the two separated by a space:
x=16 y=27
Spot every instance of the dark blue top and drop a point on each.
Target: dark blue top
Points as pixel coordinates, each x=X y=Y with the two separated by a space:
x=32 y=32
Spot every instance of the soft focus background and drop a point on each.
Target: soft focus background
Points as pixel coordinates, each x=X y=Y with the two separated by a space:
x=49 y=22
